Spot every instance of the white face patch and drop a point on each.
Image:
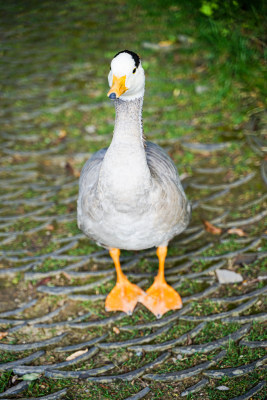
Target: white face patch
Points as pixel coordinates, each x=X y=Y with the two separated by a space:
x=124 y=65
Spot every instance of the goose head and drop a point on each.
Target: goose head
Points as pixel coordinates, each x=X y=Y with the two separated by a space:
x=126 y=77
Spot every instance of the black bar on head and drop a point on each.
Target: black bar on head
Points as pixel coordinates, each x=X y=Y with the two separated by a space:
x=134 y=55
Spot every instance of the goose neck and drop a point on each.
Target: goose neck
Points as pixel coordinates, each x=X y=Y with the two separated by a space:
x=128 y=122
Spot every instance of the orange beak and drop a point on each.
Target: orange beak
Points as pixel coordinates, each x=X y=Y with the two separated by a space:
x=118 y=87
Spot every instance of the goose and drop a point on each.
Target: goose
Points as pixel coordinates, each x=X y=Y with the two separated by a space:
x=130 y=194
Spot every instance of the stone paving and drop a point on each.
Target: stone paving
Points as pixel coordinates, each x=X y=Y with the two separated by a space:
x=54 y=280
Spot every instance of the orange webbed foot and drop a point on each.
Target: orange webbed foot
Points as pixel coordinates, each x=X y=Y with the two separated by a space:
x=123 y=297
x=161 y=298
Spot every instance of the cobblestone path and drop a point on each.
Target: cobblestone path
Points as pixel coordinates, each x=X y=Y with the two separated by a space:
x=54 y=281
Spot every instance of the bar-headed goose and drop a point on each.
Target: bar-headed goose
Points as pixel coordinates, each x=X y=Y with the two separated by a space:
x=130 y=194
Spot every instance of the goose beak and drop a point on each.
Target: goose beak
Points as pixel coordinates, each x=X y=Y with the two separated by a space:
x=118 y=87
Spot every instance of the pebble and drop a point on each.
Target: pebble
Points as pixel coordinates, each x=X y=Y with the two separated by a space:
x=226 y=276
x=222 y=387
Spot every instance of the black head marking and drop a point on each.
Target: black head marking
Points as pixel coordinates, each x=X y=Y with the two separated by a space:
x=134 y=56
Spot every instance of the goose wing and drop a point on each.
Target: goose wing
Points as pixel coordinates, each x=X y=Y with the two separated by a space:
x=87 y=184
x=160 y=164
x=172 y=201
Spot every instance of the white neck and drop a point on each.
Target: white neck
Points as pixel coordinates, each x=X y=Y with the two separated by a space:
x=124 y=170
x=128 y=127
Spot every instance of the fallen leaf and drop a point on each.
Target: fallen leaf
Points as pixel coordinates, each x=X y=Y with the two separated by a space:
x=176 y=92
x=50 y=227
x=104 y=386
x=116 y=330
x=211 y=228
x=3 y=334
x=76 y=354
x=237 y=231
x=226 y=276
x=165 y=43
x=17 y=158
x=200 y=69
x=61 y=135
x=71 y=170
x=249 y=283
x=46 y=163
x=189 y=340
x=31 y=377
x=43 y=281
x=67 y=276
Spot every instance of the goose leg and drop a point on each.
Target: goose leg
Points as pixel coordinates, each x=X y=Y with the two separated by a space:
x=124 y=295
x=161 y=297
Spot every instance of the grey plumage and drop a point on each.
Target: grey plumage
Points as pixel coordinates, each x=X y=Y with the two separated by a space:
x=130 y=194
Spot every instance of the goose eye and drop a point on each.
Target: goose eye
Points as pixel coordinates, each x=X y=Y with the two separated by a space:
x=134 y=71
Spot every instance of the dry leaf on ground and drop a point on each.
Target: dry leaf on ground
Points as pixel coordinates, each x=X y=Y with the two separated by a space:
x=189 y=340
x=211 y=228
x=62 y=134
x=165 y=43
x=49 y=227
x=76 y=354
x=71 y=170
x=3 y=334
x=237 y=231
x=116 y=330
x=66 y=275
x=43 y=281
